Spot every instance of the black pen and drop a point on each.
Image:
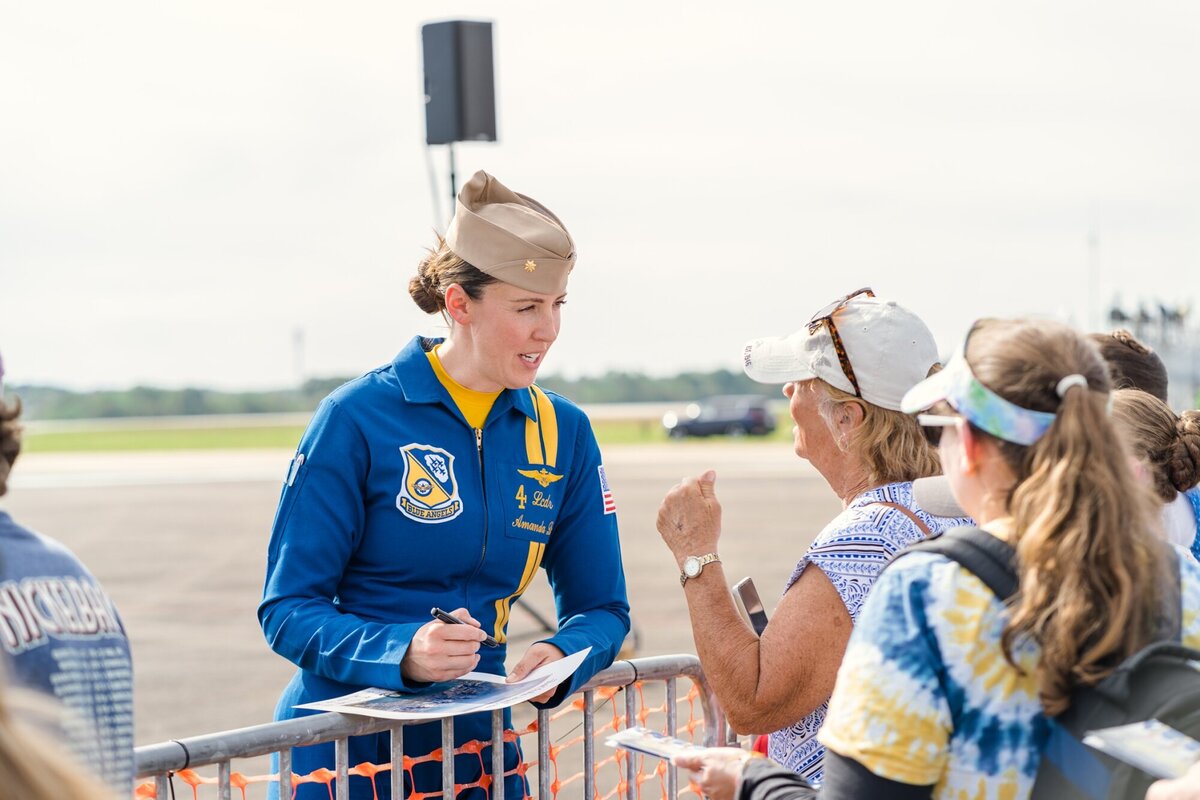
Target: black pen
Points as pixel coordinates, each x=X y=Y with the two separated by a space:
x=450 y=619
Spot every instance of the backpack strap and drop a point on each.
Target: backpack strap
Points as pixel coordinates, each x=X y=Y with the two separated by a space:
x=921 y=526
x=991 y=560
x=1070 y=770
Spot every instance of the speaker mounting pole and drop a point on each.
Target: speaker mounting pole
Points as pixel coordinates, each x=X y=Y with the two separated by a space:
x=460 y=89
x=453 y=181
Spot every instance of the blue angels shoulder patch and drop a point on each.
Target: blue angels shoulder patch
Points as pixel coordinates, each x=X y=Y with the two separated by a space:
x=429 y=492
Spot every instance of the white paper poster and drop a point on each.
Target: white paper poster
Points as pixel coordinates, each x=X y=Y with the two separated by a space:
x=475 y=691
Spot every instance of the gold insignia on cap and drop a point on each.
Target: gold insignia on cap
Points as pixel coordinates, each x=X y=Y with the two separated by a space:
x=510 y=237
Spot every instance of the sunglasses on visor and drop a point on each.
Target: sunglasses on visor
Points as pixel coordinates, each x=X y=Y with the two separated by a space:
x=932 y=426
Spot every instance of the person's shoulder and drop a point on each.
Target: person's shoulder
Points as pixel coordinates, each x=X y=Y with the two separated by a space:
x=923 y=565
x=868 y=517
x=573 y=421
x=1189 y=590
x=942 y=588
x=1189 y=572
x=366 y=390
x=28 y=552
x=563 y=404
x=874 y=509
x=851 y=525
x=365 y=386
x=944 y=576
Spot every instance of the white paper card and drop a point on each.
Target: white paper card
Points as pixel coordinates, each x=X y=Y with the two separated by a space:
x=1151 y=746
x=651 y=743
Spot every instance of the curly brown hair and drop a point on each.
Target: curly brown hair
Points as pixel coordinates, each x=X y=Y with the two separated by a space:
x=10 y=440
x=1167 y=444
x=440 y=268
x=1132 y=364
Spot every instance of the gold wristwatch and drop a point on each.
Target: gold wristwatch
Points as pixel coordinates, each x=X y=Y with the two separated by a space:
x=694 y=565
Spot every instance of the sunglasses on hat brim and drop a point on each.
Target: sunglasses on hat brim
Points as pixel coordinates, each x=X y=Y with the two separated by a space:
x=824 y=317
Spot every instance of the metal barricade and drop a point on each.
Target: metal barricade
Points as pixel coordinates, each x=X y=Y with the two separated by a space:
x=159 y=761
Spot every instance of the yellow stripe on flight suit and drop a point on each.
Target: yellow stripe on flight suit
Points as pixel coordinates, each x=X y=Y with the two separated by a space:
x=541 y=447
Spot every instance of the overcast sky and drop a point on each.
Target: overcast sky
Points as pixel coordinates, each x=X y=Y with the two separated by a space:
x=185 y=186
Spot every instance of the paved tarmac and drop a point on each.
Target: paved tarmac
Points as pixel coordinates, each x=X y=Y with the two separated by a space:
x=179 y=541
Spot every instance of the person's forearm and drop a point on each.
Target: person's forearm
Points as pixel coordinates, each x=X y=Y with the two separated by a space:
x=763 y=684
x=316 y=637
x=730 y=653
x=845 y=779
x=763 y=779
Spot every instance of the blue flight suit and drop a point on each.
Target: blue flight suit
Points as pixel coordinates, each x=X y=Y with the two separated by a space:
x=393 y=505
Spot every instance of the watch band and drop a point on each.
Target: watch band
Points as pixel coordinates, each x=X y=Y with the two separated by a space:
x=701 y=562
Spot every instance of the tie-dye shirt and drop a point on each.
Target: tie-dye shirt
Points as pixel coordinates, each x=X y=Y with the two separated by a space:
x=852 y=550
x=924 y=695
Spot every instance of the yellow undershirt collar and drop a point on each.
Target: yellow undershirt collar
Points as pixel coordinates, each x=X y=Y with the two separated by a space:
x=473 y=405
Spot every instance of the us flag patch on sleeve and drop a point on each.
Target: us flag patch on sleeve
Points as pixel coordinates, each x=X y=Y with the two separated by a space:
x=606 y=495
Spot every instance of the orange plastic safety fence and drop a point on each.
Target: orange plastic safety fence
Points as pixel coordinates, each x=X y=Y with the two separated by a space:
x=603 y=769
x=611 y=770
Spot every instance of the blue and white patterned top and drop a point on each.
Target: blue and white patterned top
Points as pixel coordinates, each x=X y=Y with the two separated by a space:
x=852 y=550
x=925 y=695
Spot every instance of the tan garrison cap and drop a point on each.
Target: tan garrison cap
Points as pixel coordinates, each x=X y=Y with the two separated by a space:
x=510 y=236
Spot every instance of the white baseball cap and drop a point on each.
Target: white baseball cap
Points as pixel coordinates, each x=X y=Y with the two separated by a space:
x=885 y=347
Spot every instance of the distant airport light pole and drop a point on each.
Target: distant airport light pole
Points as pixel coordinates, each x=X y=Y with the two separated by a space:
x=298 y=355
x=460 y=88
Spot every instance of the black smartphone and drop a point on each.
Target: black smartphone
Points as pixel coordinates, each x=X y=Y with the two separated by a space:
x=748 y=595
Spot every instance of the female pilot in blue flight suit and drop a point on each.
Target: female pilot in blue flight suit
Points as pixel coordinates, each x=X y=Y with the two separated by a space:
x=446 y=478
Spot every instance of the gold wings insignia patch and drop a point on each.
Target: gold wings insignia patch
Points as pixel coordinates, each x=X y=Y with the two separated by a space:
x=542 y=476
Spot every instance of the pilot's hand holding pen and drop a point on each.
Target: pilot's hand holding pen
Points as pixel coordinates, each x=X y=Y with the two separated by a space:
x=442 y=651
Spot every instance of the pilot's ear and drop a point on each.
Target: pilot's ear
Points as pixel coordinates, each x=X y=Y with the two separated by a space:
x=458 y=304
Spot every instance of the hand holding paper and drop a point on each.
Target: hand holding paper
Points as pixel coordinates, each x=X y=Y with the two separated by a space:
x=538 y=655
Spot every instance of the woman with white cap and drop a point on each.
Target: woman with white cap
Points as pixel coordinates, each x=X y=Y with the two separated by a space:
x=844 y=373
x=946 y=690
x=445 y=479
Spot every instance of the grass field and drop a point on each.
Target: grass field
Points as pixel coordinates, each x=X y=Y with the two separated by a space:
x=163 y=438
x=237 y=437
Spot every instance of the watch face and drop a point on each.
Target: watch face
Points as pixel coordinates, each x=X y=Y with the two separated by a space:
x=691 y=566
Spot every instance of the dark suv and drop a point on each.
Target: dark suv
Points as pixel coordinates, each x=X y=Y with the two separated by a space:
x=733 y=414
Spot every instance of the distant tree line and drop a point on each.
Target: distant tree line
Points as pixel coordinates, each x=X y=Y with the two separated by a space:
x=48 y=402
x=633 y=387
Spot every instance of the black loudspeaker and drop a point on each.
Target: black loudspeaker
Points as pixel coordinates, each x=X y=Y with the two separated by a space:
x=460 y=87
